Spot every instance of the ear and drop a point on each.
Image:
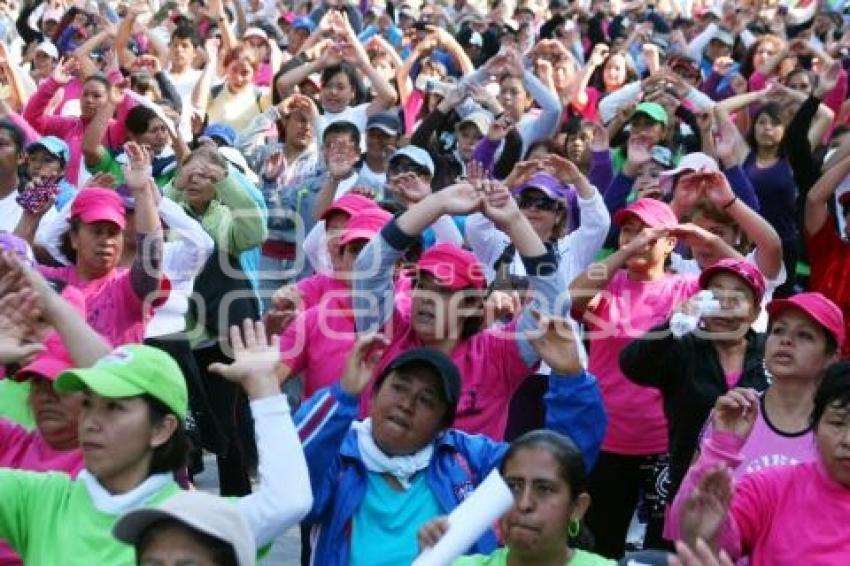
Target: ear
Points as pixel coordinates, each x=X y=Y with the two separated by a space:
x=163 y=431
x=670 y=245
x=74 y=239
x=580 y=506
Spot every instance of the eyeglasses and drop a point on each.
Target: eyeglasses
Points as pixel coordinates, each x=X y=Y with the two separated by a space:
x=540 y=203
x=400 y=167
x=339 y=146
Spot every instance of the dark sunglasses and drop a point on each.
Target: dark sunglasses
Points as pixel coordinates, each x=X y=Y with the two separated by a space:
x=540 y=203
x=404 y=167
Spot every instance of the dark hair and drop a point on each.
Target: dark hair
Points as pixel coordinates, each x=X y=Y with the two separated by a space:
x=774 y=112
x=98 y=78
x=343 y=127
x=571 y=466
x=350 y=72
x=171 y=456
x=17 y=135
x=834 y=389
x=139 y=119
x=186 y=31
x=222 y=552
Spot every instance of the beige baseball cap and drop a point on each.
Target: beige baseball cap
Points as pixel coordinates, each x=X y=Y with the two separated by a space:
x=211 y=515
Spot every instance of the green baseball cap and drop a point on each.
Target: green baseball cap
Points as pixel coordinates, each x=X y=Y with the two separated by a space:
x=653 y=110
x=129 y=371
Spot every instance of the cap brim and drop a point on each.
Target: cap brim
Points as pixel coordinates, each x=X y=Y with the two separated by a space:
x=386 y=129
x=403 y=360
x=104 y=383
x=710 y=272
x=546 y=190
x=778 y=306
x=442 y=281
x=133 y=525
x=104 y=216
x=651 y=117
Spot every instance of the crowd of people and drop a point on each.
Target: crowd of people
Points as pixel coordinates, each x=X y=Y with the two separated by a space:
x=365 y=254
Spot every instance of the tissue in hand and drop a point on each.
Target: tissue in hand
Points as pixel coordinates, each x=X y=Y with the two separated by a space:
x=703 y=304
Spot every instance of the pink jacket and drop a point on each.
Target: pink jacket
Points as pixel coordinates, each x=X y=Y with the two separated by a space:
x=782 y=515
x=71 y=129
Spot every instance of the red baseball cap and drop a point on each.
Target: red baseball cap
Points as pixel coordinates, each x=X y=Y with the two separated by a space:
x=452 y=267
x=739 y=267
x=822 y=310
x=365 y=225
x=650 y=211
x=95 y=204
x=350 y=204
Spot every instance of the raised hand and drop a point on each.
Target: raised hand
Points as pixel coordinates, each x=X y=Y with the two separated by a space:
x=410 y=189
x=255 y=360
x=475 y=172
x=362 y=361
x=727 y=139
x=274 y=165
x=523 y=171
x=646 y=238
x=598 y=55
x=716 y=188
x=562 y=168
x=137 y=174
x=736 y=412
x=639 y=150
x=63 y=72
x=706 y=508
x=106 y=180
x=284 y=308
x=555 y=342
x=461 y=198
x=499 y=128
x=599 y=141
x=499 y=206
x=701 y=555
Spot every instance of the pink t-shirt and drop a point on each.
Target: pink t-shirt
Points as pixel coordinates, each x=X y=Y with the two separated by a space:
x=412 y=108
x=491 y=370
x=315 y=345
x=780 y=515
x=27 y=450
x=112 y=307
x=589 y=111
x=768 y=447
x=313 y=288
x=627 y=309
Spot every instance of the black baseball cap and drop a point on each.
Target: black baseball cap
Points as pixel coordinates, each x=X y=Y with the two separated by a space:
x=442 y=365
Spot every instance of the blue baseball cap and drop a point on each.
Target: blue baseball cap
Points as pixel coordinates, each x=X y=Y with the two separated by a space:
x=224 y=132
x=304 y=22
x=52 y=145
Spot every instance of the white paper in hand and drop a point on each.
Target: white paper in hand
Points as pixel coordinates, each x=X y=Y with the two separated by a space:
x=490 y=500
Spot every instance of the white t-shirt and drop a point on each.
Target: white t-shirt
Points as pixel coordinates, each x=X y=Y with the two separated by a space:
x=184 y=83
x=11 y=212
x=690 y=267
x=354 y=114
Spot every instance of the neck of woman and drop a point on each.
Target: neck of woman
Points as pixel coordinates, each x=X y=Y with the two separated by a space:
x=652 y=273
x=445 y=345
x=127 y=480
x=559 y=556
x=376 y=164
x=789 y=403
x=731 y=353
x=766 y=154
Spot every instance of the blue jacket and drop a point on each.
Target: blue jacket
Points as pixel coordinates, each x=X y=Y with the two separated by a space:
x=460 y=461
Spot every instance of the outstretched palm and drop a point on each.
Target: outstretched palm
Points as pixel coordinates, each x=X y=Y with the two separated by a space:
x=255 y=357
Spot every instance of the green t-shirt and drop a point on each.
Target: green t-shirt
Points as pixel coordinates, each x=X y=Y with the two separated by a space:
x=109 y=164
x=14 y=403
x=49 y=518
x=500 y=558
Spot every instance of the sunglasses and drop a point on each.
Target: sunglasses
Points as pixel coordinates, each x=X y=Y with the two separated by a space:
x=540 y=203
x=404 y=167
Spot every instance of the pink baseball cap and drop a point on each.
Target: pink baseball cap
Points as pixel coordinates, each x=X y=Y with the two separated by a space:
x=55 y=358
x=350 y=204
x=365 y=225
x=650 y=211
x=96 y=204
x=452 y=267
x=739 y=267
x=822 y=310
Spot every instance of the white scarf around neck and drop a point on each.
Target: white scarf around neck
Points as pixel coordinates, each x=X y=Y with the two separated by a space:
x=119 y=504
x=401 y=468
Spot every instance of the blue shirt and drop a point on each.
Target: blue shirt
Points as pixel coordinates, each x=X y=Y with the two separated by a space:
x=385 y=526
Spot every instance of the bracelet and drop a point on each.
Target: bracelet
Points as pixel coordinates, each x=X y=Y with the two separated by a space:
x=730 y=203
